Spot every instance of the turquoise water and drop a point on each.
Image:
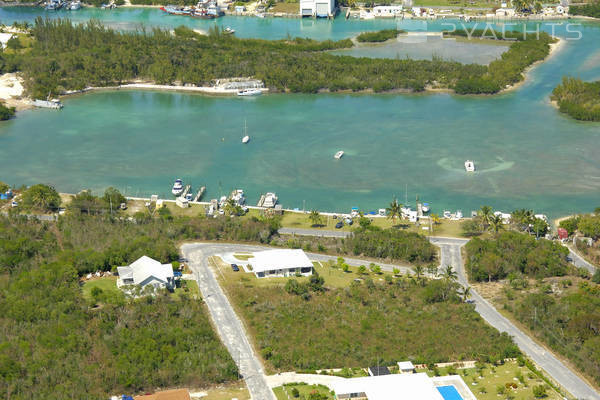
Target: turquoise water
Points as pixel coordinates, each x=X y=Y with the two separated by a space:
x=527 y=154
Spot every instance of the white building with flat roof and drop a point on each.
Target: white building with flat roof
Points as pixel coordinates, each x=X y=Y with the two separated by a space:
x=400 y=386
x=317 y=8
x=273 y=263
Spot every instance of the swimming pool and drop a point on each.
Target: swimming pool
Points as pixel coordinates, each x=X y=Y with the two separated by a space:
x=449 y=393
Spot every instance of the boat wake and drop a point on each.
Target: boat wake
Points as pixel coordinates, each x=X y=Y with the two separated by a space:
x=499 y=164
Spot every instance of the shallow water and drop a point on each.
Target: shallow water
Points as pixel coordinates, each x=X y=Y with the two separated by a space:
x=527 y=154
x=431 y=47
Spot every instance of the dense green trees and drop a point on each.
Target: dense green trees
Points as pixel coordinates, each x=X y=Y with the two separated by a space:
x=579 y=99
x=591 y=9
x=65 y=56
x=367 y=323
x=512 y=252
x=6 y=112
x=379 y=36
x=57 y=345
x=568 y=323
x=587 y=225
x=391 y=244
x=41 y=197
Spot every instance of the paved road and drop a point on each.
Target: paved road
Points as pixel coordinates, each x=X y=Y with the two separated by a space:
x=228 y=325
x=313 y=232
x=580 y=262
x=451 y=255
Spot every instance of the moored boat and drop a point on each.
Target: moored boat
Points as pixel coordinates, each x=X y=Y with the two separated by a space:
x=249 y=92
x=425 y=207
x=177 y=187
x=229 y=30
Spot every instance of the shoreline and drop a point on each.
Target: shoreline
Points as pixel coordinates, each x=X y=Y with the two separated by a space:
x=554 y=48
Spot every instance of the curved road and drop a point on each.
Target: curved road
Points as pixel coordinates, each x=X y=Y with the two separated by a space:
x=234 y=336
x=559 y=372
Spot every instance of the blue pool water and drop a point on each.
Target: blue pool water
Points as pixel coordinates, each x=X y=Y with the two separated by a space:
x=449 y=393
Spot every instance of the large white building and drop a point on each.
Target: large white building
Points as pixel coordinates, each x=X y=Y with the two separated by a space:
x=146 y=271
x=401 y=386
x=272 y=263
x=317 y=8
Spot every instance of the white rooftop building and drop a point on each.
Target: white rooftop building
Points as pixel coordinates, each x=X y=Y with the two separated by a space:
x=406 y=367
x=272 y=263
x=146 y=271
x=400 y=386
x=317 y=8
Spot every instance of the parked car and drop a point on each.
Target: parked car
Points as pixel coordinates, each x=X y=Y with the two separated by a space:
x=339 y=225
x=235 y=268
x=177 y=274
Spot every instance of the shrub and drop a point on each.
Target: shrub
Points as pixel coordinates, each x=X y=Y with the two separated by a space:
x=539 y=391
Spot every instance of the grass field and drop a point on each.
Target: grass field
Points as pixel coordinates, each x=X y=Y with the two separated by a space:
x=457 y=3
x=290 y=8
x=235 y=390
x=107 y=284
x=304 y=390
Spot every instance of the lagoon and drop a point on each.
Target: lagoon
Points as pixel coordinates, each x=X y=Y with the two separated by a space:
x=527 y=154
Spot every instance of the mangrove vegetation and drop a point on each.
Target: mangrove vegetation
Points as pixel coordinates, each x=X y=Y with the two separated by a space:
x=578 y=99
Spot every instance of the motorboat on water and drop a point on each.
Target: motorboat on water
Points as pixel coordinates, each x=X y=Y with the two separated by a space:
x=74 y=5
x=339 y=155
x=270 y=200
x=470 y=166
x=177 y=187
x=249 y=92
x=425 y=207
x=459 y=214
x=229 y=30
x=447 y=214
x=238 y=197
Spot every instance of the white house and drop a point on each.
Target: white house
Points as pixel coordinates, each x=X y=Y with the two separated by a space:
x=406 y=367
x=387 y=11
x=272 y=263
x=505 y=12
x=146 y=271
x=317 y=8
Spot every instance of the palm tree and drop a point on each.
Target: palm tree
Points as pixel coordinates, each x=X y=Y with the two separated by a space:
x=315 y=218
x=229 y=207
x=485 y=213
x=419 y=270
x=496 y=223
x=394 y=210
x=465 y=293
x=450 y=274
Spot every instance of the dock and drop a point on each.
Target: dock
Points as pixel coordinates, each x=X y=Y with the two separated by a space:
x=200 y=193
x=261 y=201
x=186 y=190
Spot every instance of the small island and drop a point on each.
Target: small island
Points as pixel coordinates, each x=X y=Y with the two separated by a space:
x=578 y=99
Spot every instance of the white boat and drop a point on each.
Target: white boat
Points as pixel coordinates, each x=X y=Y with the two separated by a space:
x=469 y=166
x=459 y=214
x=338 y=155
x=249 y=92
x=270 y=200
x=229 y=30
x=447 y=214
x=75 y=5
x=177 y=187
x=246 y=138
x=238 y=197
x=425 y=207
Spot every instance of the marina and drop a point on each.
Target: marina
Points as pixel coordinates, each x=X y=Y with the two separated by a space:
x=421 y=140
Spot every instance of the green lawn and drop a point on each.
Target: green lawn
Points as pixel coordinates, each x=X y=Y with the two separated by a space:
x=333 y=274
x=457 y=3
x=484 y=383
x=107 y=284
x=190 y=288
x=304 y=390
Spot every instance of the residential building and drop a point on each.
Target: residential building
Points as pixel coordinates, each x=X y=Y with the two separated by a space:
x=273 y=263
x=146 y=271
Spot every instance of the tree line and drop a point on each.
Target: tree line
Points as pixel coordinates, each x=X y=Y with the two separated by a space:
x=578 y=99
x=591 y=9
x=379 y=36
x=65 y=56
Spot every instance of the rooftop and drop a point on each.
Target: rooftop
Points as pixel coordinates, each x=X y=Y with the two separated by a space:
x=387 y=387
x=279 y=259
